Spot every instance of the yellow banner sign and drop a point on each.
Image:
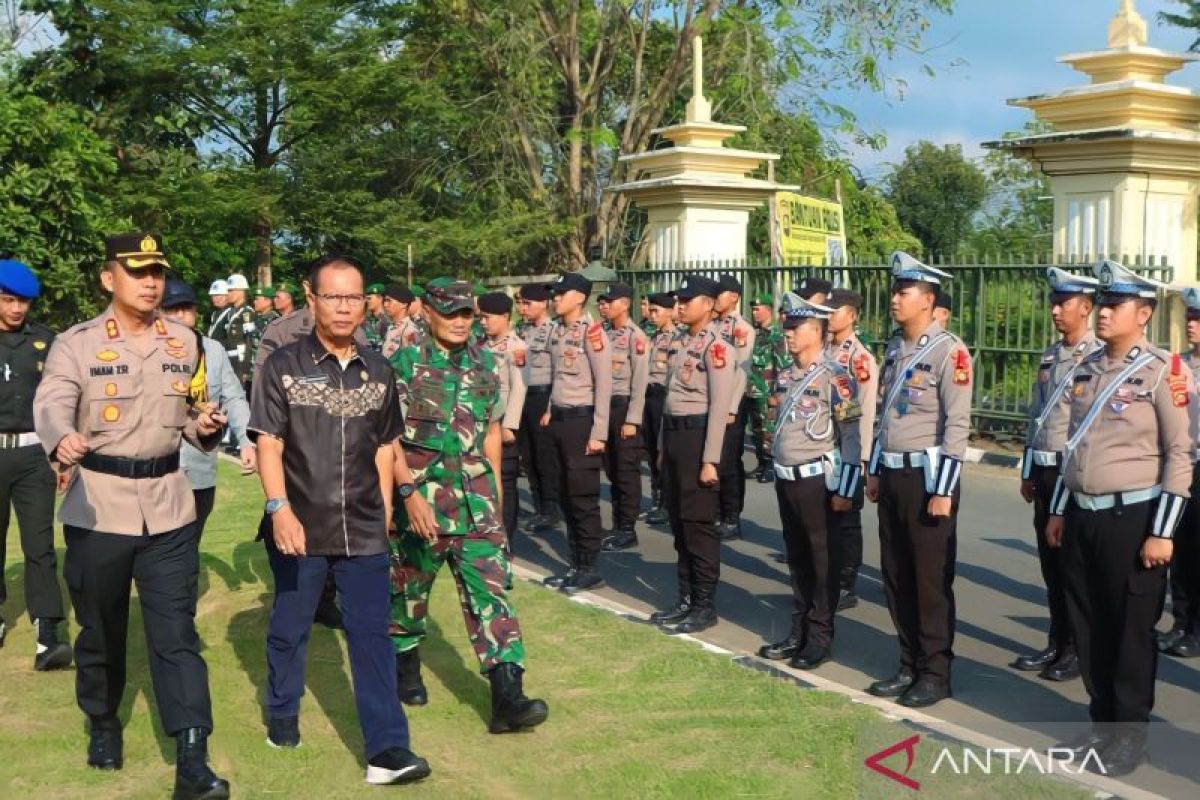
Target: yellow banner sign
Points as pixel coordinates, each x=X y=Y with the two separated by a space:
x=811 y=230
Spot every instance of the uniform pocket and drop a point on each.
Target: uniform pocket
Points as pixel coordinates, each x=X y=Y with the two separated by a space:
x=111 y=404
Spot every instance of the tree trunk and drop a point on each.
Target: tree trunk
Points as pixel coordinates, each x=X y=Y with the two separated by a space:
x=262 y=249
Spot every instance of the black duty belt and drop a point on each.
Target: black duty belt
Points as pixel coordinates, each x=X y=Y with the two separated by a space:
x=680 y=423
x=619 y=400
x=560 y=413
x=131 y=467
x=538 y=390
x=656 y=388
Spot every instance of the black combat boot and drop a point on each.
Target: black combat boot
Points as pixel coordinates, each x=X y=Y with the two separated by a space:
x=561 y=579
x=193 y=778
x=677 y=612
x=730 y=529
x=51 y=652
x=105 y=745
x=703 y=613
x=587 y=577
x=623 y=538
x=409 y=686
x=511 y=709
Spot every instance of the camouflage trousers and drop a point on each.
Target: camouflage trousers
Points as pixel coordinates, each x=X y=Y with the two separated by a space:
x=762 y=427
x=479 y=563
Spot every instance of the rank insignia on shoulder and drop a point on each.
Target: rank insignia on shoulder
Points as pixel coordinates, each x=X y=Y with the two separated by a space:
x=160 y=327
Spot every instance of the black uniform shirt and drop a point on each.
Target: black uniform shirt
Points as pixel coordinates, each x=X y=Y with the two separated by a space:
x=332 y=420
x=22 y=357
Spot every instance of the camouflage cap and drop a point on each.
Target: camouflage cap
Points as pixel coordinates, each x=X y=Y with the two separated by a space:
x=447 y=295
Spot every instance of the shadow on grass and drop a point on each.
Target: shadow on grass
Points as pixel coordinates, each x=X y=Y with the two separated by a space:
x=460 y=678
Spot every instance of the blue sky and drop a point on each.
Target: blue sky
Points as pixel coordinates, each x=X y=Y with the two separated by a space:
x=985 y=53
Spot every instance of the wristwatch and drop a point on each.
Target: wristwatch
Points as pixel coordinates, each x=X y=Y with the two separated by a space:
x=274 y=504
x=406 y=490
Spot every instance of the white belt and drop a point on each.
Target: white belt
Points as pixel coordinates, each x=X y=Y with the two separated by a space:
x=810 y=470
x=1101 y=502
x=1045 y=458
x=896 y=460
x=12 y=440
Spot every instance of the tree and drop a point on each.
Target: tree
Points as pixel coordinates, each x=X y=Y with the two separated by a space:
x=937 y=193
x=53 y=208
x=1189 y=19
x=1017 y=217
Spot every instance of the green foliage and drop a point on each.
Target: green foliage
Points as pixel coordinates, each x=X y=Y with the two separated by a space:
x=1017 y=217
x=937 y=193
x=54 y=172
x=1189 y=18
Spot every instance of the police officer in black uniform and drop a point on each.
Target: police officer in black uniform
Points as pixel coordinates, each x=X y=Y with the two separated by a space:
x=26 y=480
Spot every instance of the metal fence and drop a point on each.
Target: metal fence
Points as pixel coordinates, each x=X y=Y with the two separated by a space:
x=1001 y=311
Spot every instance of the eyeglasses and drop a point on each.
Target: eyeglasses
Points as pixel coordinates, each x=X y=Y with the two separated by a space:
x=352 y=300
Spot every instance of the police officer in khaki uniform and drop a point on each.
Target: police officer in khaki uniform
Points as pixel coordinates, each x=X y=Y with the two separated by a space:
x=848 y=351
x=735 y=330
x=495 y=309
x=1072 y=298
x=26 y=480
x=916 y=459
x=114 y=404
x=1183 y=638
x=700 y=389
x=1125 y=478
x=630 y=349
x=662 y=311
x=817 y=458
x=401 y=331
x=577 y=422
x=537 y=448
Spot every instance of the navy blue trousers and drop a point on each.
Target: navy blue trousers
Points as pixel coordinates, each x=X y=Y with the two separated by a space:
x=362 y=585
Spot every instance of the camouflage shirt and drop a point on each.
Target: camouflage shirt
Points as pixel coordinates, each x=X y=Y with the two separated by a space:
x=448 y=401
x=764 y=362
x=375 y=330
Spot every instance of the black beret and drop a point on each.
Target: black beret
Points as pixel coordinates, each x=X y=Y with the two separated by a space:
x=814 y=286
x=495 y=303
x=697 y=286
x=844 y=297
x=616 y=290
x=728 y=283
x=944 y=301
x=399 y=293
x=571 y=280
x=662 y=299
x=536 y=292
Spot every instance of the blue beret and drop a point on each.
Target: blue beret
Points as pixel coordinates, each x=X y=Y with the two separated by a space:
x=18 y=279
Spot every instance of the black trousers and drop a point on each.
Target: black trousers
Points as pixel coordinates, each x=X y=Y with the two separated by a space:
x=692 y=510
x=732 y=471
x=510 y=465
x=810 y=528
x=623 y=466
x=850 y=542
x=205 y=498
x=656 y=399
x=1051 y=558
x=917 y=553
x=27 y=485
x=99 y=569
x=578 y=484
x=1185 y=565
x=1113 y=602
x=537 y=451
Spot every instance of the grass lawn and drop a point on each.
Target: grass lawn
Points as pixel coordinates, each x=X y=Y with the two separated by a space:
x=633 y=713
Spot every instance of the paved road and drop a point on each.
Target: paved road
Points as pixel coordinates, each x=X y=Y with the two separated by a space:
x=1001 y=612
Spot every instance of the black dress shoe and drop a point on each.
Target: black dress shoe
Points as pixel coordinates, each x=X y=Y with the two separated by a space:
x=283 y=732
x=924 y=693
x=730 y=530
x=1188 y=646
x=846 y=600
x=894 y=686
x=560 y=580
x=1037 y=661
x=1066 y=668
x=811 y=657
x=105 y=747
x=1165 y=640
x=1121 y=756
x=1092 y=739
x=783 y=649
x=586 y=579
x=657 y=516
x=621 y=540
x=698 y=619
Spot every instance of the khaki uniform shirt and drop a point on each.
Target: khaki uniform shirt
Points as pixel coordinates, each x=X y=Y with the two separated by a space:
x=820 y=412
x=700 y=380
x=1058 y=362
x=539 y=370
x=128 y=396
x=404 y=333
x=510 y=357
x=661 y=347
x=854 y=357
x=582 y=371
x=932 y=406
x=1143 y=435
x=739 y=333
x=630 y=368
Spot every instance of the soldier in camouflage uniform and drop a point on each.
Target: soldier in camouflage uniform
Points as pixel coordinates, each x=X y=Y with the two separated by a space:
x=763 y=368
x=447 y=476
x=264 y=315
x=375 y=324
